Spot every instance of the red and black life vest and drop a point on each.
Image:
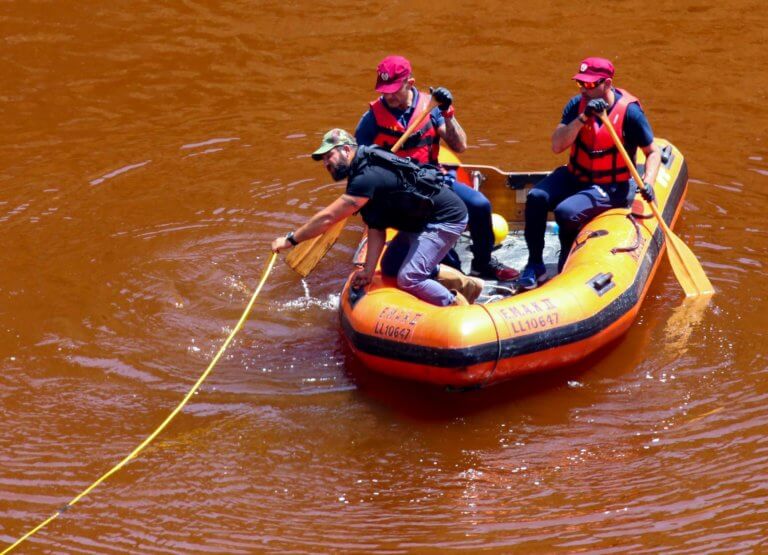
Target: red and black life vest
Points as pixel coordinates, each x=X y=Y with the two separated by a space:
x=422 y=146
x=594 y=157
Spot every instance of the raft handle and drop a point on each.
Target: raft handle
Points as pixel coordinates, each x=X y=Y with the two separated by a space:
x=602 y=282
x=666 y=155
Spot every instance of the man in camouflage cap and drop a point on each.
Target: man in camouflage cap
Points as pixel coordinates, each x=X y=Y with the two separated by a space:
x=429 y=222
x=332 y=139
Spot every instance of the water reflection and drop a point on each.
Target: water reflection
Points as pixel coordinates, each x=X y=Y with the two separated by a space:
x=682 y=323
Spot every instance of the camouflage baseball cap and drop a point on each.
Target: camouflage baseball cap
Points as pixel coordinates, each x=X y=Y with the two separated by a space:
x=332 y=139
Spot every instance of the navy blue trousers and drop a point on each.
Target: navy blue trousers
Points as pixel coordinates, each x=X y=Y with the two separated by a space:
x=480 y=226
x=573 y=203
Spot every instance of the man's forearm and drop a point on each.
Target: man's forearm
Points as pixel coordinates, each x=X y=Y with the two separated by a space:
x=565 y=135
x=374 y=246
x=317 y=225
x=341 y=208
x=454 y=135
x=652 y=164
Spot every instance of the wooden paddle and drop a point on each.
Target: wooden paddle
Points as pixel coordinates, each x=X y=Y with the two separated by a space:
x=686 y=267
x=304 y=257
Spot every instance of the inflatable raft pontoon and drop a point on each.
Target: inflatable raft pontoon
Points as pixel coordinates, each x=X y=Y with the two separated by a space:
x=592 y=302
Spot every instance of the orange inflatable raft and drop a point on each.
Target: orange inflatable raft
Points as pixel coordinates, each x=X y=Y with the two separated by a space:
x=592 y=302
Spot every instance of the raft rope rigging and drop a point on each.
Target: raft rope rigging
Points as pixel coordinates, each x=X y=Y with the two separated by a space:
x=638 y=236
x=165 y=422
x=492 y=371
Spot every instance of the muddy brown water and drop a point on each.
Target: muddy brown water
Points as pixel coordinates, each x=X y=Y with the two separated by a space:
x=151 y=151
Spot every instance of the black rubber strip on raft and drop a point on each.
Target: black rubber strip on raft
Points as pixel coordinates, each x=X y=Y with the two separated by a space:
x=547 y=339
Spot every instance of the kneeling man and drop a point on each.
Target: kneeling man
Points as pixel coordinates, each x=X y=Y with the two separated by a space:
x=390 y=191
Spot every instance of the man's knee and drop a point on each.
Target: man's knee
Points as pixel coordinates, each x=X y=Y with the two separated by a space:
x=537 y=199
x=475 y=201
x=408 y=280
x=568 y=219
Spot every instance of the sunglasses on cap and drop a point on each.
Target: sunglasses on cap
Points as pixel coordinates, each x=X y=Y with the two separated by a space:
x=589 y=86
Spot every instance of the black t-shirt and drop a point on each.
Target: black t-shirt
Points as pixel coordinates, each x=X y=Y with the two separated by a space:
x=372 y=181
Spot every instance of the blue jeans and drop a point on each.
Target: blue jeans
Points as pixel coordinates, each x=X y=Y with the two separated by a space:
x=414 y=256
x=574 y=204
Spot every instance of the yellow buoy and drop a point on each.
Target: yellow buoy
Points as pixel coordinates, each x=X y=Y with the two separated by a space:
x=500 y=228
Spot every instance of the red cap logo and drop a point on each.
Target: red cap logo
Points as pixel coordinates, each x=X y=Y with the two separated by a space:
x=391 y=73
x=594 y=69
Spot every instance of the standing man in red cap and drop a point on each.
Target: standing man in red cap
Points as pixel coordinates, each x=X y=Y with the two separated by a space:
x=596 y=178
x=386 y=121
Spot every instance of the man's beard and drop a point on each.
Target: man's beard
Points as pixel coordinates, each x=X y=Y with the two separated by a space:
x=340 y=171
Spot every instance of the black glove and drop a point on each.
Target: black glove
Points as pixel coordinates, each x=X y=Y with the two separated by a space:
x=443 y=96
x=595 y=106
x=646 y=191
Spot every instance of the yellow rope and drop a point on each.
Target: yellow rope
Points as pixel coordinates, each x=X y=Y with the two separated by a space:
x=162 y=426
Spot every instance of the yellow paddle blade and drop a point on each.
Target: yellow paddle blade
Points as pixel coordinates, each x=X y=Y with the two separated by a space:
x=686 y=267
x=304 y=257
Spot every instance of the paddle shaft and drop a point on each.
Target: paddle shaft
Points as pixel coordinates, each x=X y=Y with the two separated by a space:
x=416 y=123
x=633 y=169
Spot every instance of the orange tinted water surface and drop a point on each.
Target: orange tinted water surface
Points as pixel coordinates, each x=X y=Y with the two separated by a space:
x=152 y=150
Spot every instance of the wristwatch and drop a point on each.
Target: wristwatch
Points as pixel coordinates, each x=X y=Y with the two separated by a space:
x=291 y=240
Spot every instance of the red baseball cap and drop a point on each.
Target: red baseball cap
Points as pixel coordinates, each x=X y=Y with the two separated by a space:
x=391 y=73
x=594 y=69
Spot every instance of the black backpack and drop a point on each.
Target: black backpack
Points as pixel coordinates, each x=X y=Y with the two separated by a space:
x=408 y=209
x=425 y=179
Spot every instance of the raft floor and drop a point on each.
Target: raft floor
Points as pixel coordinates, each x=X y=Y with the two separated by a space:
x=512 y=252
